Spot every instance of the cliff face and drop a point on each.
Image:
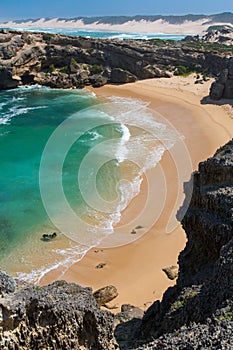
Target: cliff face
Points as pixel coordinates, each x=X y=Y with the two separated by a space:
x=63 y=61
x=58 y=316
x=200 y=306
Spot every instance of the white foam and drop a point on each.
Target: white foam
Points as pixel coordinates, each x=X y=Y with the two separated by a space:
x=128 y=113
x=122 y=150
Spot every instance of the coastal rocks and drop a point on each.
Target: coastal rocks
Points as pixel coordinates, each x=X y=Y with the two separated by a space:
x=203 y=295
x=171 y=272
x=105 y=295
x=6 y=79
x=58 y=316
x=7 y=283
x=120 y=76
x=127 y=322
x=223 y=86
x=60 y=61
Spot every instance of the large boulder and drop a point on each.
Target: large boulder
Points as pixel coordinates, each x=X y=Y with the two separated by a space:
x=6 y=79
x=120 y=76
x=105 y=295
x=59 y=316
x=7 y=283
x=216 y=91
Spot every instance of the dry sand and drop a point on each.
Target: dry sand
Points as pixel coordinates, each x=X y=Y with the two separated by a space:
x=136 y=268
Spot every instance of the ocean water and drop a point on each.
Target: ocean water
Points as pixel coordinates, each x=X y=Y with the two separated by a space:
x=70 y=163
x=103 y=34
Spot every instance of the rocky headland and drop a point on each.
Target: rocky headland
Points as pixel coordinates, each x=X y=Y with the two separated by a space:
x=61 y=61
x=197 y=313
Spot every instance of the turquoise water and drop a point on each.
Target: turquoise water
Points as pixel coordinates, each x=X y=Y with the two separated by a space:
x=103 y=34
x=51 y=138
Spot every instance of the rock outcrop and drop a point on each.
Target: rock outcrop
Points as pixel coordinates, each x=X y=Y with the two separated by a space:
x=223 y=86
x=64 y=61
x=58 y=316
x=198 y=311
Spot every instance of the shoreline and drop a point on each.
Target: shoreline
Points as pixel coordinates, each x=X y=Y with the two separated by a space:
x=136 y=268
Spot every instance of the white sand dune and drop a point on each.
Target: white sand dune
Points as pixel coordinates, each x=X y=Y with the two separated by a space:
x=142 y=26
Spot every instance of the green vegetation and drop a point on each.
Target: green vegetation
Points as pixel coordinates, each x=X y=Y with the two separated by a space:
x=183 y=71
x=177 y=304
x=217 y=47
x=95 y=69
x=90 y=51
x=51 y=68
x=37 y=288
x=73 y=61
x=219 y=27
x=227 y=316
x=64 y=69
x=47 y=36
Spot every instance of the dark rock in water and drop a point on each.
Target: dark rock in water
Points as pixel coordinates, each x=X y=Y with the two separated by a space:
x=6 y=79
x=171 y=272
x=58 y=316
x=105 y=295
x=7 y=283
x=48 y=237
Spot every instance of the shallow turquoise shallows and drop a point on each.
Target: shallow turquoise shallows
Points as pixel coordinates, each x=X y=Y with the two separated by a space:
x=63 y=156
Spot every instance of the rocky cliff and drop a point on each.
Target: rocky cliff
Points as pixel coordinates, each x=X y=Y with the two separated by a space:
x=63 y=61
x=223 y=86
x=58 y=316
x=198 y=312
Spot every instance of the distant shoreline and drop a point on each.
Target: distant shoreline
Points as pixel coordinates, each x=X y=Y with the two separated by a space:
x=180 y=25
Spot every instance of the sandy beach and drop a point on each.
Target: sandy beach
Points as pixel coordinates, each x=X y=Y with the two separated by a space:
x=136 y=268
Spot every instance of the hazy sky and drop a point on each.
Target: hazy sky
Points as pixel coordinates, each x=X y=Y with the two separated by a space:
x=13 y=9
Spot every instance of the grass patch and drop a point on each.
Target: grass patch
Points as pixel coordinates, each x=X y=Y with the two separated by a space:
x=183 y=71
x=177 y=304
x=64 y=69
x=73 y=61
x=51 y=68
x=95 y=69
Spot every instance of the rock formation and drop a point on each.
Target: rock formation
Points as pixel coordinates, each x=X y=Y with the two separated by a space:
x=223 y=86
x=63 y=61
x=198 y=311
x=58 y=316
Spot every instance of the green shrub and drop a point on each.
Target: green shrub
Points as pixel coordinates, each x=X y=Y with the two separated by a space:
x=90 y=50
x=47 y=36
x=51 y=68
x=95 y=69
x=73 y=61
x=183 y=71
x=64 y=69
